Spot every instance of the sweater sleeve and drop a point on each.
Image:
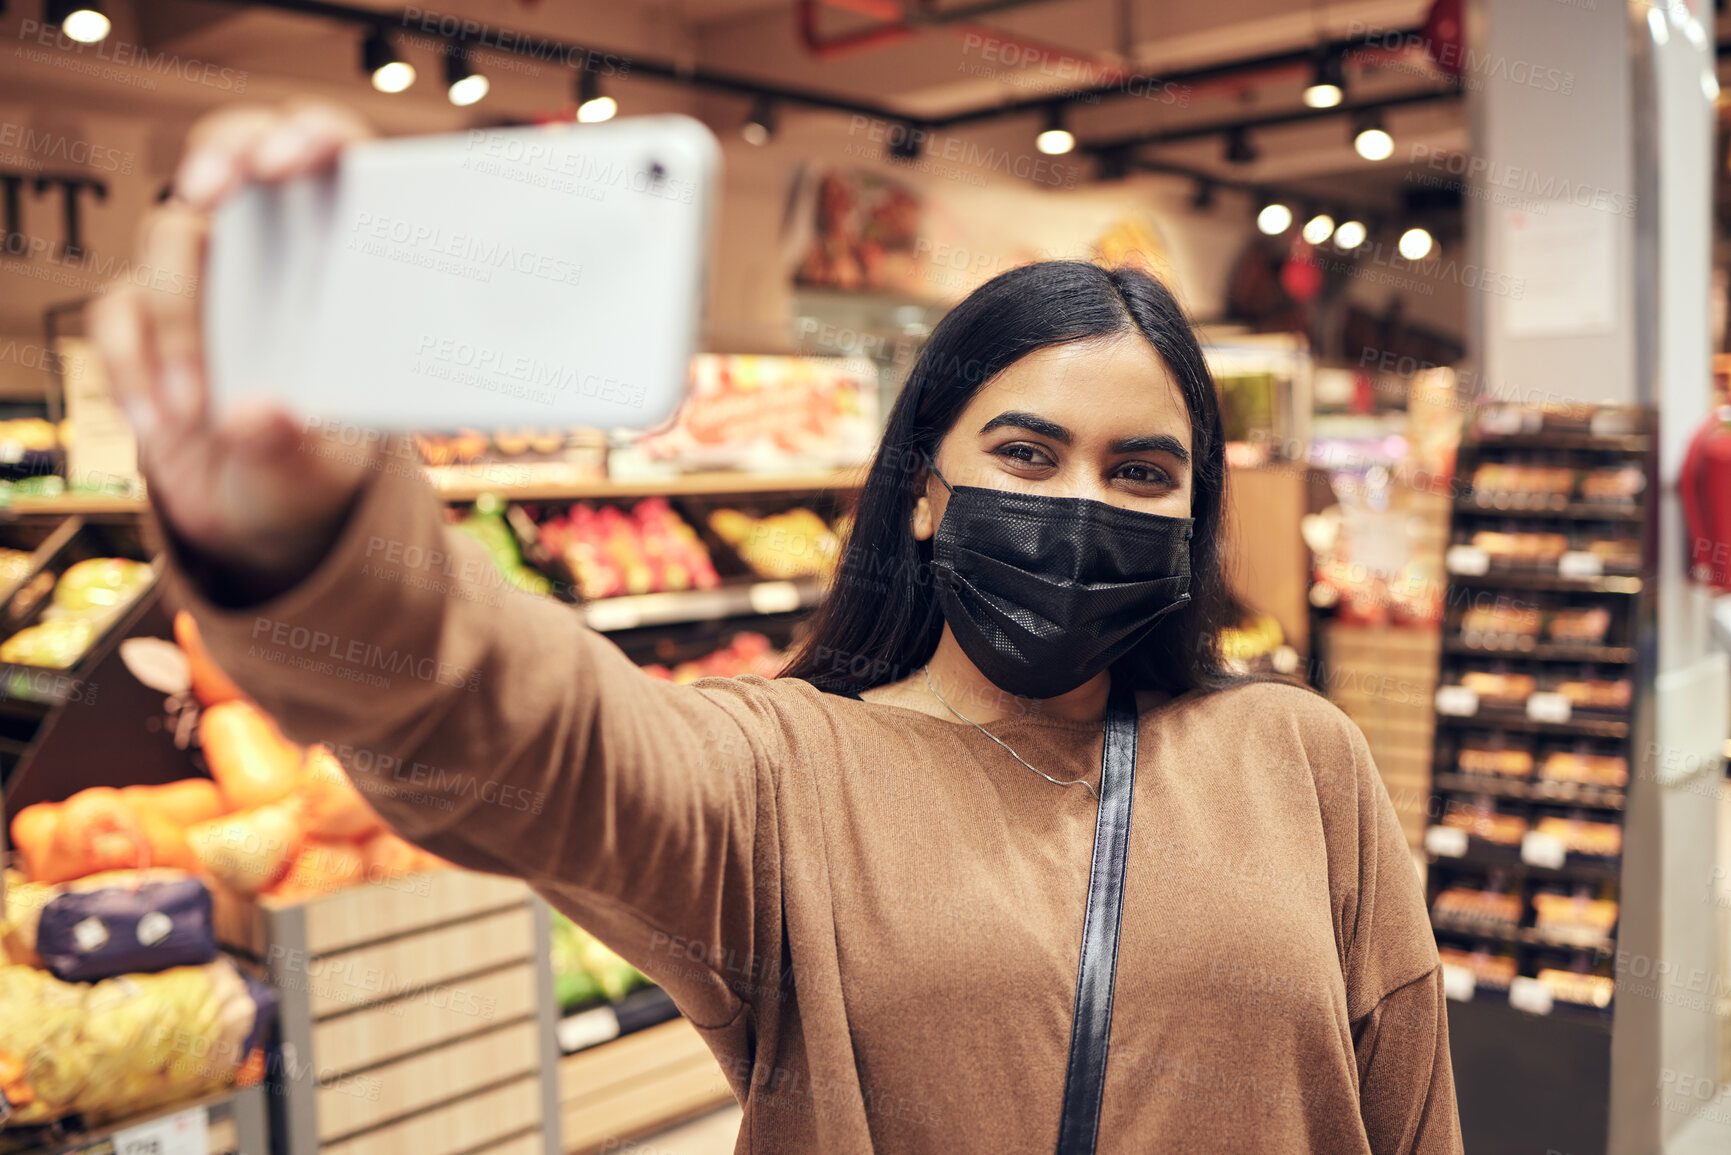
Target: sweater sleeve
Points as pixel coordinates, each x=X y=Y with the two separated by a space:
x=1395 y=999
x=495 y=729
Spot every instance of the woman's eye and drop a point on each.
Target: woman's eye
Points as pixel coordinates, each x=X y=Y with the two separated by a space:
x=1143 y=474
x=1024 y=453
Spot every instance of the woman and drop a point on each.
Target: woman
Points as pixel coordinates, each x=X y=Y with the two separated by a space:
x=865 y=881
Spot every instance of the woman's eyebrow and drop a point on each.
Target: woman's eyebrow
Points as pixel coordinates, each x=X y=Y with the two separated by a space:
x=1158 y=443
x=1029 y=422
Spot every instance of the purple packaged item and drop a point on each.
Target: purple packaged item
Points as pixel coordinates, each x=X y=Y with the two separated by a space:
x=86 y=935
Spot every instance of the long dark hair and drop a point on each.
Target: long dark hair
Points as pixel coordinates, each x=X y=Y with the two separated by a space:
x=879 y=621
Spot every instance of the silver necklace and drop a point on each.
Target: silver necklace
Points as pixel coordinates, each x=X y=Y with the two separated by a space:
x=1054 y=781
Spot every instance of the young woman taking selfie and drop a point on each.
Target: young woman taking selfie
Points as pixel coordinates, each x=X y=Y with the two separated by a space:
x=1004 y=806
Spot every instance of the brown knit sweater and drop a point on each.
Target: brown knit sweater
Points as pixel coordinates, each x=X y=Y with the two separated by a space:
x=874 y=915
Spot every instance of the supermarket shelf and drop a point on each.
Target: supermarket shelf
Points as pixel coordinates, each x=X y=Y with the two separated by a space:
x=457 y=484
x=1600 y=442
x=1573 y=510
x=1482 y=855
x=637 y=1011
x=1491 y=718
x=728 y=601
x=1565 y=793
x=1560 y=1009
x=1521 y=936
x=70 y=505
x=232 y=1122
x=1545 y=652
x=1530 y=580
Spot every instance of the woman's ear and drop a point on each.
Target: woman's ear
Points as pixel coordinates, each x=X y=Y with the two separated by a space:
x=922 y=522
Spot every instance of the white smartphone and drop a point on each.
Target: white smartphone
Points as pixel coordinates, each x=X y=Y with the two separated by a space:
x=539 y=277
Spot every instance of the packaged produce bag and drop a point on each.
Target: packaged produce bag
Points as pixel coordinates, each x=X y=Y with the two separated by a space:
x=116 y=923
x=123 y=1045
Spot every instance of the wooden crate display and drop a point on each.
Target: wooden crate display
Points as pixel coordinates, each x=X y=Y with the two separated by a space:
x=1384 y=679
x=642 y=1082
x=416 y=1017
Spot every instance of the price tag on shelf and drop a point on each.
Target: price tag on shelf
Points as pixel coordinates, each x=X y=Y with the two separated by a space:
x=1578 y=563
x=1467 y=559
x=604 y=615
x=1548 y=706
x=1457 y=701
x=1540 y=849
x=1459 y=983
x=1445 y=841
x=773 y=597
x=182 y=1133
x=1529 y=995
x=586 y=1029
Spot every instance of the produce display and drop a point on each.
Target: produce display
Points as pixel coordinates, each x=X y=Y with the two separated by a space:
x=87 y=598
x=1586 y=769
x=487 y=524
x=108 y=924
x=1479 y=909
x=1503 y=763
x=797 y=543
x=747 y=653
x=1486 y=823
x=31 y=434
x=274 y=817
x=126 y=1044
x=1586 y=989
x=584 y=971
x=1574 y=917
x=14 y=564
x=610 y=552
x=1494 y=971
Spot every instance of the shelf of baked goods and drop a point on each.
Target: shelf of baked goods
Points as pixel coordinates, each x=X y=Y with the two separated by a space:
x=1490 y=976
x=1544 y=702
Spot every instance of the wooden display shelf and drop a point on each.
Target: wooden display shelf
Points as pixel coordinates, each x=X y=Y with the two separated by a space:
x=234 y=1123
x=416 y=1016
x=456 y=484
x=459 y=487
x=635 y=1085
x=745 y=599
x=1545 y=652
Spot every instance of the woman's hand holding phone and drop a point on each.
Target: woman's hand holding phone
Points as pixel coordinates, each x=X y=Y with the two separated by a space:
x=248 y=489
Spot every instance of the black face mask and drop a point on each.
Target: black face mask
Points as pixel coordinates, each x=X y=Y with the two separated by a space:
x=1042 y=593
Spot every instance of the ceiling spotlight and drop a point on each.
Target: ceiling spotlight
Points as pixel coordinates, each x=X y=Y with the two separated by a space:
x=1056 y=140
x=1327 y=85
x=1656 y=25
x=759 y=122
x=463 y=85
x=1350 y=234
x=1318 y=229
x=82 y=20
x=1274 y=219
x=592 y=107
x=1371 y=139
x=1415 y=244
x=1239 y=150
x=390 y=72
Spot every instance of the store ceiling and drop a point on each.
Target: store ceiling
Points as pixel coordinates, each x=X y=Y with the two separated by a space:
x=1011 y=55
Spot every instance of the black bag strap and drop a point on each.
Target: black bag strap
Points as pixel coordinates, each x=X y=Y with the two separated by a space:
x=1091 y=1032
